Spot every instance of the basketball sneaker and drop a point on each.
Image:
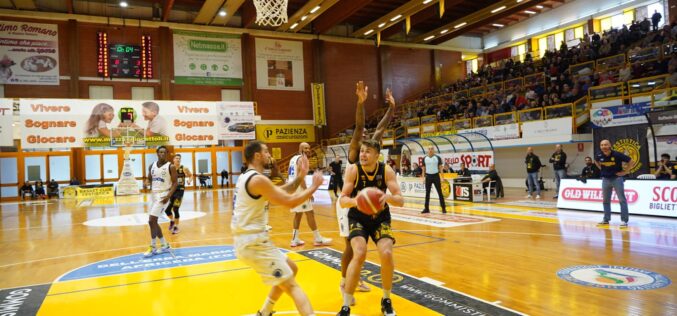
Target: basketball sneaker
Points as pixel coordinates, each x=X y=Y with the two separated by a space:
x=259 y=314
x=345 y=311
x=175 y=230
x=603 y=223
x=323 y=242
x=171 y=226
x=538 y=197
x=150 y=252
x=164 y=248
x=387 y=307
x=363 y=287
x=624 y=225
x=528 y=196
x=297 y=242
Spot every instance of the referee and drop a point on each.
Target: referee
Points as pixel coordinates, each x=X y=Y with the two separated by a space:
x=612 y=169
x=336 y=174
x=432 y=167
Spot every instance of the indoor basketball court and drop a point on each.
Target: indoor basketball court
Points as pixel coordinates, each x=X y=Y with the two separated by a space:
x=489 y=118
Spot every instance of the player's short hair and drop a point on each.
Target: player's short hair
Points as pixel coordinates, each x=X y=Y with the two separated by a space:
x=151 y=106
x=588 y=157
x=177 y=155
x=667 y=156
x=158 y=149
x=372 y=143
x=252 y=148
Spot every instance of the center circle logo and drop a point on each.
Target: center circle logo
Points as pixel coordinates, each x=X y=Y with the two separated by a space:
x=614 y=277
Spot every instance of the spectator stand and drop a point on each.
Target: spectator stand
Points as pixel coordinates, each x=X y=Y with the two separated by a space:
x=413 y=127
x=582 y=72
x=428 y=124
x=483 y=121
x=607 y=68
x=646 y=61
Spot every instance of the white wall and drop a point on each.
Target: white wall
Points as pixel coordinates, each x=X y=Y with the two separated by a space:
x=465 y=42
x=567 y=14
x=512 y=170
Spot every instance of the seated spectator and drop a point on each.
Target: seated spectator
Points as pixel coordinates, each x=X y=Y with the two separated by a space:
x=406 y=172
x=40 y=189
x=493 y=176
x=417 y=171
x=52 y=189
x=74 y=181
x=203 y=180
x=625 y=73
x=590 y=171
x=446 y=168
x=664 y=168
x=27 y=189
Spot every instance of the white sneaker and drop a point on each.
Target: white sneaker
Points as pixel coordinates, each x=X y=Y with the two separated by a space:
x=538 y=197
x=323 y=242
x=528 y=196
x=150 y=252
x=164 y=249
x=362 y=287
x=297 y=242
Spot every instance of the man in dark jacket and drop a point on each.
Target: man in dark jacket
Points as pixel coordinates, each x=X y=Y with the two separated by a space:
x=224 y=177
x=493 y=176
x=590 y=171
x=655 y=19
x=533 y=166
x=558 y=161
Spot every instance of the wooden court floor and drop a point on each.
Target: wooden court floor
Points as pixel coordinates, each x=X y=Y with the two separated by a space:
x=505 y=256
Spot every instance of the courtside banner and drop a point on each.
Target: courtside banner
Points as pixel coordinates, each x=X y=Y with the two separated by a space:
x=236 y=120
x=65 y=123
x=285 y=133
x=552 y=127
x=627 y=114
x=507 y=131
x=476 y=161
x=6 y=117
x=29 y=53
x=647 y=197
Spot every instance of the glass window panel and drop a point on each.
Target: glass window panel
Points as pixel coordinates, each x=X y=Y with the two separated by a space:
x=137 y=164
x=617 y=21
x=605 y=24
x=151 y=158
x=657 y=7
x=100 y=92
x=7 y=192
x=578 y=32
x=474 y=65
x=222 y=161
x=236 y=157
x=93 y=167
x=35 y=168
x=559 y=37
x=59 y=168
x=230 y=95
x=628 y=17
x=143 y=93
x=110 y=166
x=542 y=46
x=9 y=172
x=203 y=162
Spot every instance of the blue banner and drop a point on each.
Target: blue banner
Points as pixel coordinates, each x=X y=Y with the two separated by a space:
x=619 y=115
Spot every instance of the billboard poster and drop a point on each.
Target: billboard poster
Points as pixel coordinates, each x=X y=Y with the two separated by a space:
x=279 y=65
x=207 y=58
x=236 y=120
x=629 y=140
x=619 y=115
x=29 y=53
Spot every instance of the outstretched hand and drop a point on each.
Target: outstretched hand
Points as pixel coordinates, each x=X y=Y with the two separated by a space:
x=362 y=92
x=317 y=179
x=389 y=98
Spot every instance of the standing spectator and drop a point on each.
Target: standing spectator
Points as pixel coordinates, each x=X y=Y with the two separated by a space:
x=612 y=171
x=336 y=175
x=559 y=162
x=655 y=19
x=224 y=177
x=432 y=167
x=533 y=166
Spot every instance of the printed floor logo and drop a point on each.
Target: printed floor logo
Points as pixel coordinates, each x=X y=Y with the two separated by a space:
x=614 y=277
x=436 y=219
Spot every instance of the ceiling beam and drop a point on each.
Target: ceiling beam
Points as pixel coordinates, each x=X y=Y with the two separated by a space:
x=305 y=12
x=231 y=8
x=338 y=13
x=469 y=22
x=423 y=16
x=208 y=11
x=24 y=4
x=408 y=9
x=165 y=11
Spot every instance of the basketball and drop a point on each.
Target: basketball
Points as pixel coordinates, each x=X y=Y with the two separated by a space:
x=368 y=201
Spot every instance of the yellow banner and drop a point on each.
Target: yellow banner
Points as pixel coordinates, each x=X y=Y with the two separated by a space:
x=319 y=112
x=105 y=191
x=285 y=133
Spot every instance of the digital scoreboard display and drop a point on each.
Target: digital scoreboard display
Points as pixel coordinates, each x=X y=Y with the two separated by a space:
x=125 y=61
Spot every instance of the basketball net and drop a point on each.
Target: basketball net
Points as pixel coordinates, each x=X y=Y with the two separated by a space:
x=271 y=12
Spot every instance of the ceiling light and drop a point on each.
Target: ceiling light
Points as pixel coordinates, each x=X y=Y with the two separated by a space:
x=460 y=25
x=293 y=26
x=303 y=18
x=427 y=1
x=444 y=31
x=497 y=9
x=518 y=1
x=369 y=32
x=315 y=9
x=429 y=38
x=498 y=25
x=539 y=6
x=123 y=4
x=395 y=18
x=222 y=12
x=529 y=12
x=382 y=24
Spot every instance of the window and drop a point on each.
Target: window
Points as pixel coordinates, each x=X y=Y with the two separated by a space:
x=470 y=66
x=559 y=37
x=110 y=166
x=656 y=7
x=542 y=46
x=9 y=174
x=617 y=21
x=606 y=24
x=578 y=32
x=100 y=92
x=230 y=95
x=35 y=168
x=93 y=168
x=628 y=17
x=143 y=93
x=59 y=168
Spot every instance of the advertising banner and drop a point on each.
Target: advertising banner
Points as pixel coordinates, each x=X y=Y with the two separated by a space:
x=64 y=123
x=475 y=161
x=29 y=53
x=415 y=187
x=6 y=116
x=507 y=131
x=619 y=115
x=647 y=197
x=279 y=65
x=207 y=58
x=236 y=120
x=319 y=113
x=629 y=140
x=553 y=127
x=285 y=133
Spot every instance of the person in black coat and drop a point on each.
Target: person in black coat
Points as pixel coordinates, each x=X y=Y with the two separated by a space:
x=533 y=164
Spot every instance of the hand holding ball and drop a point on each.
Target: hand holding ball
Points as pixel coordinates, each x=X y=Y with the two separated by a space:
x=369 y=201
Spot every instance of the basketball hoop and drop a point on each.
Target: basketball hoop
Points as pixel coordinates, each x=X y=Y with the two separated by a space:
x=271 y=12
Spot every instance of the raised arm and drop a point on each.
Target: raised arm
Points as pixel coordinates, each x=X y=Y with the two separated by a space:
x=362 y=92
x=390 y=112
x=260 y=185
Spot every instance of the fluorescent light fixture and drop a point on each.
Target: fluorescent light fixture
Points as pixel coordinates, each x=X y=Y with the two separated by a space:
x=222 y=12
x=427 y=1
x=460 y=25
x=293 y=26
x=444 y=31
x=123 y=4
x=539 y=6
x=529 y=12
x=303 y=18
x=315 y=9
x=369 y=32
x=498 y=25
x=382 y=24
x=498 y=9
x=635 y=86
x=518 y=1
x=651 y=83
x=429 y=38
x=396 y=17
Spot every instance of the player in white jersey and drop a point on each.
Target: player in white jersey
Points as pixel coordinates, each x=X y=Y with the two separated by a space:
x=305 y=207
x=250 y=226
x=162 y=179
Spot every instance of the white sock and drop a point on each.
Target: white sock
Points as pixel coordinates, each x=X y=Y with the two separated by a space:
x=163 y=241
x=386 y=293
x=317 y=234
x=347 y=299
x=267 y=307
x=295 y=234
x=152 y=242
